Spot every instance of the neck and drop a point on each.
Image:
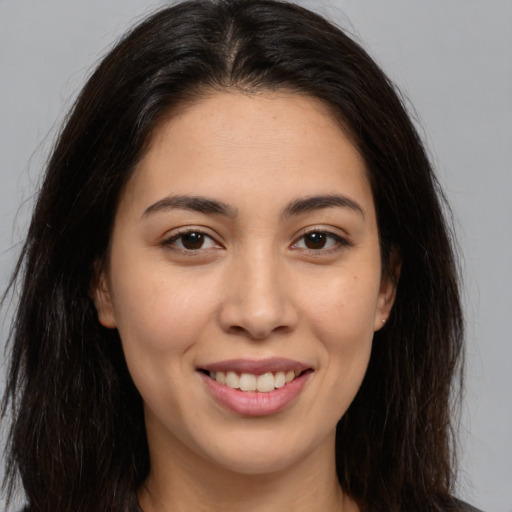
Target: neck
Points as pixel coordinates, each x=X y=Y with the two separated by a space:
x=179 y=482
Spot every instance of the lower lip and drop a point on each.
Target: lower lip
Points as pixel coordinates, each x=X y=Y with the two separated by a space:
x=253 y=403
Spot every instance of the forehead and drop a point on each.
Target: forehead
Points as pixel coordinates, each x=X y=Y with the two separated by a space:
x=257 y=119
x=268 y=146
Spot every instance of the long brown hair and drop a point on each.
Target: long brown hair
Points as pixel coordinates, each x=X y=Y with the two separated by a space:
x=77 y=439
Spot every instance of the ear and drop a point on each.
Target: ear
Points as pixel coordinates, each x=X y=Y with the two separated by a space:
x=387 y=292
x=100 y=295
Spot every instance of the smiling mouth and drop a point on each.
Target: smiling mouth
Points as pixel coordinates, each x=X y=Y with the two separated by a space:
x=264 y=383
x=251 y=387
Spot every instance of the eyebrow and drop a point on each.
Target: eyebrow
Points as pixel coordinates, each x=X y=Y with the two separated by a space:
x=195 y=203
x=214 y=207
x=311 y=203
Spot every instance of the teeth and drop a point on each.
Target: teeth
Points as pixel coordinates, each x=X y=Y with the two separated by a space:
x=265 y=383
x=248 y=382
x=232 y=380
x=280 y=380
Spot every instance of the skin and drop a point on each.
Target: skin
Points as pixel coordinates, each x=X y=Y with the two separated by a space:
x=254 y=289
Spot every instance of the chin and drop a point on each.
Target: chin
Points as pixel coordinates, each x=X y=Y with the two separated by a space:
x=270 y=451
x=257 y=462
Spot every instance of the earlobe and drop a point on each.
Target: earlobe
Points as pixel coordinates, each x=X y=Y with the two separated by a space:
x=100 y=295
x=387 y=291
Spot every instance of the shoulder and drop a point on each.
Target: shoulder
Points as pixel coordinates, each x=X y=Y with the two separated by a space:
x=466 y=507
x=135 y=509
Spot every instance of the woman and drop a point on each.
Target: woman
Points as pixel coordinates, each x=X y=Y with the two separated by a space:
x=238 y=289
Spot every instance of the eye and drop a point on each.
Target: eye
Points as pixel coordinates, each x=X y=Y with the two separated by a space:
x=192 y=240
x=319 y=240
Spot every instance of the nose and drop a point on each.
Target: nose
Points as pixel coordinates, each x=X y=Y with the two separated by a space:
x=259 y=299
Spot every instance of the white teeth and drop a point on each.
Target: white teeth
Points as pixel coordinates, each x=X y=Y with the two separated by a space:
x=232 y=380
x=247 y=382
x=280 y=380
x=263 y=383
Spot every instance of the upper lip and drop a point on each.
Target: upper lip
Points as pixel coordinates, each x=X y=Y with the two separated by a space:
x=256 y=366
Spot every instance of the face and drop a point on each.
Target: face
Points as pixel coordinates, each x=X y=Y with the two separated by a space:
x=244 y=277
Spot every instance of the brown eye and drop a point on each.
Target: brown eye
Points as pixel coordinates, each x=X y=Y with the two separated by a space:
x=319 y=241
x=192 y=241
x=315 y=240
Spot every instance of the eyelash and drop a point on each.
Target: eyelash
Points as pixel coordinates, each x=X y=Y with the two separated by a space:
x=339 y=242
x=170 y=242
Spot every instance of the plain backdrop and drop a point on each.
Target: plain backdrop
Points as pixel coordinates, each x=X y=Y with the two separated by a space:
x=453 y=61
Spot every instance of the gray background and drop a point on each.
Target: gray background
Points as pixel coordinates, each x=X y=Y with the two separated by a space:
x=451 y=58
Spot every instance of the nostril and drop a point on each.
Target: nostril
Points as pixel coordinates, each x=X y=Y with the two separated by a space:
x=252 y=333
x=237 y=329
x=257 y=320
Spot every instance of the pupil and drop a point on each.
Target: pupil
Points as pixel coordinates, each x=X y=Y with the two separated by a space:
x=315 y=240
x=192 y=240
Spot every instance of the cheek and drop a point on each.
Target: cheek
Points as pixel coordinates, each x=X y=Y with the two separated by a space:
x=158 y=309
x=159 y=322
x=342 y=318
x=342 y=309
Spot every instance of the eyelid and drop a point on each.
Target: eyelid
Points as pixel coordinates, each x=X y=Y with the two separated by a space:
x=170 y=237
x=341 y=239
